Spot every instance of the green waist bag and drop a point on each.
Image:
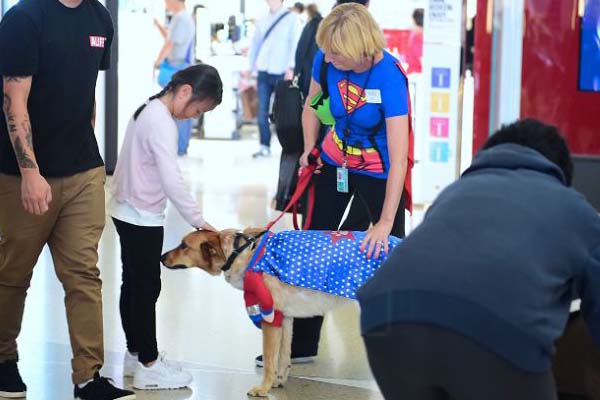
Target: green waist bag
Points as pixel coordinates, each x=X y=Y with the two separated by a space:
x=320 y=102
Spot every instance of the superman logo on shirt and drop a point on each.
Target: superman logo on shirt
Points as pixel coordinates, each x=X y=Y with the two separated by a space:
x=351 y=96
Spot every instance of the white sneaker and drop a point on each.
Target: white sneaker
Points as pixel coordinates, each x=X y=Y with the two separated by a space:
x=264 y=151
x=130 y=364
x=161 y=375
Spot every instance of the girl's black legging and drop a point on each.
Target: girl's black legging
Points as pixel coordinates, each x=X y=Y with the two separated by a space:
x=141 y=248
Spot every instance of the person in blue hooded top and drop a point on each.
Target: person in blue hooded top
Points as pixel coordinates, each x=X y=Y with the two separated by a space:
x=470 y=304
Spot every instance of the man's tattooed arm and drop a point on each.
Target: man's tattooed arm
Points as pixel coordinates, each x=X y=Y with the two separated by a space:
x=16 y=93
x=22 y=157
x=26 y=126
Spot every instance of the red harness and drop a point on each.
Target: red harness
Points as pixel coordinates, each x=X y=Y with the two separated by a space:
x=259 y=301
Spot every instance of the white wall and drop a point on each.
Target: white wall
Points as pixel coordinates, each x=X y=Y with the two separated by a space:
x=100 y=112
x=100 y=108
x=395 y=14
x=506 y=74
x=139 y=44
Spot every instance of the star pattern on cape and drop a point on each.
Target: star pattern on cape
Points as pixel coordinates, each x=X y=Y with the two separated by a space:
x=330 y=262
x=336 y=236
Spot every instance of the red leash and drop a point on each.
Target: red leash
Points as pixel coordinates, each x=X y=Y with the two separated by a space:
x=303 y=183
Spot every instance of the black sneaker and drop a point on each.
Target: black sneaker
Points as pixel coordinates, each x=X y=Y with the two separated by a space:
x=11 y=384
x=295 y=360
x=102 y=389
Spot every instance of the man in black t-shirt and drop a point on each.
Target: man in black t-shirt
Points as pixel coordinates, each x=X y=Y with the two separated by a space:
x=52 y=176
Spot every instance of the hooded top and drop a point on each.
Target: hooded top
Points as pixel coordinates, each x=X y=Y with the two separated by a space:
x=499 y=257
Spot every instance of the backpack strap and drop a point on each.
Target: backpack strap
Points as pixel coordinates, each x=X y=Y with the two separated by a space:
x=323 y=77
x=282 y=16
x=264 y=38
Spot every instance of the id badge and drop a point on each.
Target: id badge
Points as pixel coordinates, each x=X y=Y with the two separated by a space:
x=342 y=180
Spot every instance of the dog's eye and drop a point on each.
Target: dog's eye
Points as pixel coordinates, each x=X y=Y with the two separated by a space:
x=183 y=246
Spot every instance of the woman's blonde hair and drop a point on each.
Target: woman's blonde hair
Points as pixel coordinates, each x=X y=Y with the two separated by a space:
x=350 y=31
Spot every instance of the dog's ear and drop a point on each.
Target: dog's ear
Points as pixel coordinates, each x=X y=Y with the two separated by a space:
x=207 y=252
x=212 y=252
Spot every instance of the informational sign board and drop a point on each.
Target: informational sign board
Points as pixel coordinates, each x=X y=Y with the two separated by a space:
x=441 y=83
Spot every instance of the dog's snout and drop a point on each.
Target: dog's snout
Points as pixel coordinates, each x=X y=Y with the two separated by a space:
x=163 y=258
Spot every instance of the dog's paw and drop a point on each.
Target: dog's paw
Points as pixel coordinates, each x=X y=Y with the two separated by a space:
x=283 y=374
x=278 y=382
x=258 y=391
x=282 y=378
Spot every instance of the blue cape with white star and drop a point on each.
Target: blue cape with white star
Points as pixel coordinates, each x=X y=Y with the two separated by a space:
x=330 y=262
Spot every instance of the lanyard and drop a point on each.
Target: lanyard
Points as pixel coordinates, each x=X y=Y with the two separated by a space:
x=350 y=116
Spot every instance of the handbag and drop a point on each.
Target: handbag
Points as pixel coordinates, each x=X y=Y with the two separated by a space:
x=300 y=192
x=167 y=70
x=288 y=179
x=286 y=114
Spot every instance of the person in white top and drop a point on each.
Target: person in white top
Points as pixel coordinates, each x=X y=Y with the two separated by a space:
x=272 y=57
x=146 y=176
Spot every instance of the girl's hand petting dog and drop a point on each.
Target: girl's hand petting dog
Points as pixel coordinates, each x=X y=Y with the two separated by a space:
x=208 y=227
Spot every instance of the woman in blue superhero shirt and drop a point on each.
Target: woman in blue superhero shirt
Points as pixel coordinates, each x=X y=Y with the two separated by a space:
x=369 y=151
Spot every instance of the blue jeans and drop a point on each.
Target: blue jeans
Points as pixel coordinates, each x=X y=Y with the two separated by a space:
x=266 y=86
x=185 y=132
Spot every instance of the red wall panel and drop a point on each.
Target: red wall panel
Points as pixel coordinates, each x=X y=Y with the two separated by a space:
x=482 y=57
x=550 y=70
x=549 y=89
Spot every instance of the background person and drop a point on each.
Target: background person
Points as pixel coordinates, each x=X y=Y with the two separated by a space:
x=370 y=142
x=175 y=55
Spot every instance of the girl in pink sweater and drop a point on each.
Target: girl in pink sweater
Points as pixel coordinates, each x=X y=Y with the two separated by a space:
x=145 y=176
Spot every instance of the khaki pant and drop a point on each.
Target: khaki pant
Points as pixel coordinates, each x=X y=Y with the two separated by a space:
x=72 y=228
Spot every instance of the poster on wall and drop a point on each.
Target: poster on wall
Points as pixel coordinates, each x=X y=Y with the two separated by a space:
x=589 y=60
x=441 y=84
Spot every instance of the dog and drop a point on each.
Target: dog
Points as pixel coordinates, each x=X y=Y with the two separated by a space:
x=230 y=252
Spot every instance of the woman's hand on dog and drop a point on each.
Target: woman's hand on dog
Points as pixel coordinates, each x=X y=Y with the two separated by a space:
x=376 y=239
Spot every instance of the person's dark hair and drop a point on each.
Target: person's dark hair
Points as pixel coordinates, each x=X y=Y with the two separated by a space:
x=363 y=2
x=204 y=80
x=545 y=139
x=312 y=10
x=299 y=6
x=417 y=16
